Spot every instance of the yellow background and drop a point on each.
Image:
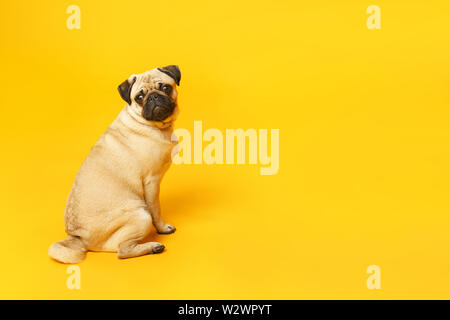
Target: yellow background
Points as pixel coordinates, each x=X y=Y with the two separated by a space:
x=364 y=146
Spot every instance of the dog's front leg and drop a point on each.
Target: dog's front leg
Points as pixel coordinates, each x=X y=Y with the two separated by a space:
x=151 y=188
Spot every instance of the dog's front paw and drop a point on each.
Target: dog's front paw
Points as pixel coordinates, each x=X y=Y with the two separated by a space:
x=166 y=229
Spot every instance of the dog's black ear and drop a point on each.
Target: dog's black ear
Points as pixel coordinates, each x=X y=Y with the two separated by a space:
x=173 y=71
x=125 y=89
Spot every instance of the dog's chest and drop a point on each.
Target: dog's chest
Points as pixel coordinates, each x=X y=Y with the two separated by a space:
x=154 y=156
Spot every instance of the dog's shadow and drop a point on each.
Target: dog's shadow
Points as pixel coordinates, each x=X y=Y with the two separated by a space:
x=191 y=200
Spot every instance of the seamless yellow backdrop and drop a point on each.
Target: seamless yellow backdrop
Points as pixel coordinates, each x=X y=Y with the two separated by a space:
x=364 y=146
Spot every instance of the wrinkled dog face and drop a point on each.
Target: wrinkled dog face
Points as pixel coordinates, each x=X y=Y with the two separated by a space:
x=153 y=94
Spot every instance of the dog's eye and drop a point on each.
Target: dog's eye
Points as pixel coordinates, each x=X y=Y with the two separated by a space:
x=139 y=97
x=165 y=88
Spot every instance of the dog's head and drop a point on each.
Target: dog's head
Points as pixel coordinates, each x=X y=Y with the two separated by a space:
x=153 y=94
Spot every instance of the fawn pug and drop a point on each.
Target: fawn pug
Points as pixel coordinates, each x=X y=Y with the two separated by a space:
x=115 y=196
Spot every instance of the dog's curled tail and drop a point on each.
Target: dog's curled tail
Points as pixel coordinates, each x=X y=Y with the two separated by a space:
x=69 y=250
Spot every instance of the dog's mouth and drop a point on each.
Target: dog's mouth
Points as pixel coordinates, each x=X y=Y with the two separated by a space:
x=157 y=113
x=158 y=108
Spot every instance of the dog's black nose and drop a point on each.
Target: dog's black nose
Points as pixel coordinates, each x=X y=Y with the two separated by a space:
x=154 y=96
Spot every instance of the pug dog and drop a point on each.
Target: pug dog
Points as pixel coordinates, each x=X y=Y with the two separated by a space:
x=115 y=196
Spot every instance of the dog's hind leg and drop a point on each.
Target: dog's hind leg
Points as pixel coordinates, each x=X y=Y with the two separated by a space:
x=133 y=248
x=133 y=232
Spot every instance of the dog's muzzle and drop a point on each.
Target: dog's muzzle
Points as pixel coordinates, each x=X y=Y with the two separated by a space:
x=158 y=107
